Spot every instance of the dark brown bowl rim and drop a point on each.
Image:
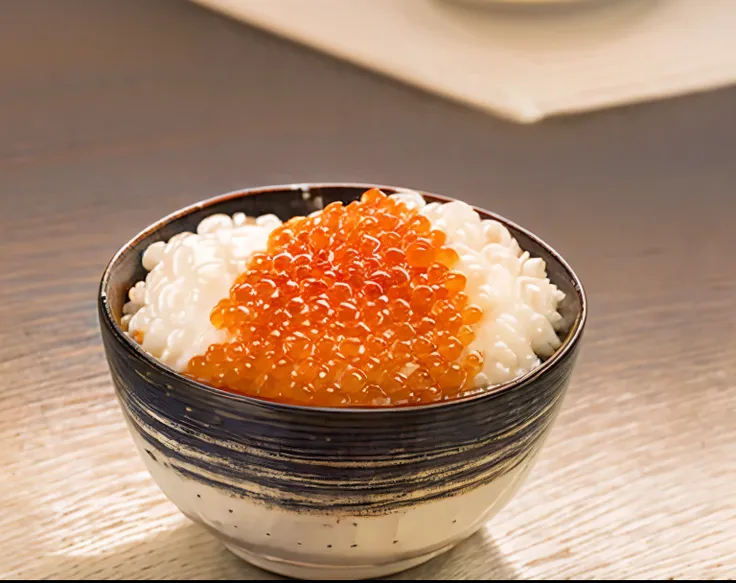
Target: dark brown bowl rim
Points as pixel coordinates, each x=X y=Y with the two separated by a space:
x=566 y=346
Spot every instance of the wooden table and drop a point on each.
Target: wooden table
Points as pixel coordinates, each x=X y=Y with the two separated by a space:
x=113 y=113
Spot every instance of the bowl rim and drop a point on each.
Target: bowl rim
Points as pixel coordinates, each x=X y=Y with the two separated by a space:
x=131 y=346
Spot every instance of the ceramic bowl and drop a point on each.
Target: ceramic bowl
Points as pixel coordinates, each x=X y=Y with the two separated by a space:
x=330 y=493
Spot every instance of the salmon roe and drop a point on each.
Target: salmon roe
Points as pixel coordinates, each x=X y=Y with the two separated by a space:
x=354 y=306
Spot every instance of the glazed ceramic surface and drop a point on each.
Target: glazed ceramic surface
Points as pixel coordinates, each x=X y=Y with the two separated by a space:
x=330 y=493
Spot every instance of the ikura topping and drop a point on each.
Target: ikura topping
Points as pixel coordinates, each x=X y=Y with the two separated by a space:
x=355 y=305
x=388 y=301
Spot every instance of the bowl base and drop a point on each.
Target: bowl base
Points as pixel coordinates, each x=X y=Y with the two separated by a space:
x=310 y=571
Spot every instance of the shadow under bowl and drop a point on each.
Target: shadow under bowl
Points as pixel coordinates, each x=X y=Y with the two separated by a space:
x=330 y=493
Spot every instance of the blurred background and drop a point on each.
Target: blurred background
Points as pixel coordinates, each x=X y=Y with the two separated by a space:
x=605 y=126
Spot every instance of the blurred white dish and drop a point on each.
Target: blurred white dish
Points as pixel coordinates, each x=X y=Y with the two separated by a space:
x=520 y=2
x=608 y=52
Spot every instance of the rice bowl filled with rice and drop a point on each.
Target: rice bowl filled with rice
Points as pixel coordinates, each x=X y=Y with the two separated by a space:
x=347 y=387
x=386 y=301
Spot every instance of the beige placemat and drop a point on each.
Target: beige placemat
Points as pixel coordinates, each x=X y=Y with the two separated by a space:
x=521 y=64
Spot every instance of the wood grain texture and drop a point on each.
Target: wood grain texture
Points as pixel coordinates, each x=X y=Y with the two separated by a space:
x=113 y=113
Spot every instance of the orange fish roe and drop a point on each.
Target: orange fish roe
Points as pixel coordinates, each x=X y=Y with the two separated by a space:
x=353 y=306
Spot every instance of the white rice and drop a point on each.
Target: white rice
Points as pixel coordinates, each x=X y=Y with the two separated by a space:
x=187 y=277
x=191 y=273
x=519 y=302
